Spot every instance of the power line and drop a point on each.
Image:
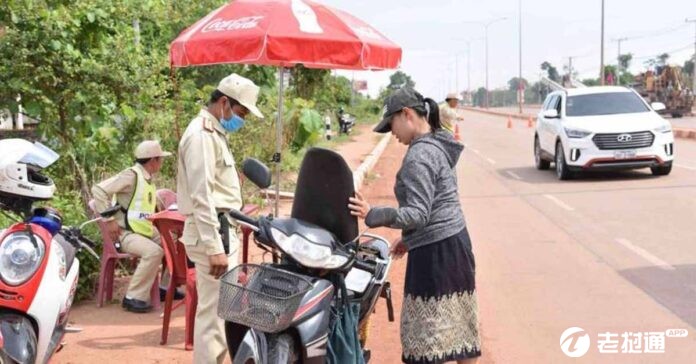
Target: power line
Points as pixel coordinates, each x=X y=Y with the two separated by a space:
x=668 y=52
x=657 y=33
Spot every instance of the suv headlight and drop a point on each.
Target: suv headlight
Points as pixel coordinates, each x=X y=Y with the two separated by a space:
x=576 y=133
x=307 y=253
x=20 y=258
x=663 y=129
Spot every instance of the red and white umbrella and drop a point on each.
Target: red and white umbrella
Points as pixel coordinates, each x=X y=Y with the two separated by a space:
x=283 y=33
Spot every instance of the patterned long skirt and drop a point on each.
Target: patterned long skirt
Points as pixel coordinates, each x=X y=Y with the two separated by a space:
x=439 y=317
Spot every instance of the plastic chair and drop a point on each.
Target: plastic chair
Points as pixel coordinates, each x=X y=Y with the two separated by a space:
x=109 y=257
x=246 y=232
x=166 y=198
x=171 y=225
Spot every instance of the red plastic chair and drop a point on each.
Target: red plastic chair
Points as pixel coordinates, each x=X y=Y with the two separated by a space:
x=109 y=258
x=171 y=226
x=246 y=232
x=165 y=199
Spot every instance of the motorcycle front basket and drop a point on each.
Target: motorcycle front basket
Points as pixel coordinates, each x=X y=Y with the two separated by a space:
x=261 y=297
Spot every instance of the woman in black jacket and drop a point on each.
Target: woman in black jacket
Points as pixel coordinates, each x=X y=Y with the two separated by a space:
x=439 y=317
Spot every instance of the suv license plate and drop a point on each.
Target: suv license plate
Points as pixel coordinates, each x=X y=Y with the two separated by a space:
x=625 y=154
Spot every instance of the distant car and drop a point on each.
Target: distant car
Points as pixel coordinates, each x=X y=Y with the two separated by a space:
x=602 y=128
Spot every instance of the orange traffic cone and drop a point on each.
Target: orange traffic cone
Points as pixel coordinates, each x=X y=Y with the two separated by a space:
x=509 y=123
x=456 y=132
x=530 y=122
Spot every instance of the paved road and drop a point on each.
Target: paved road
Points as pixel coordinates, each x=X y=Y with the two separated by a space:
x=688 y=122
x=611 y=252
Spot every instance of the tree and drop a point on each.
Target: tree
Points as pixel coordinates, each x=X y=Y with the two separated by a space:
x=626 y=76
x=662 y=59
x=625 y=61
x=536 y=93
x=689 y=67
x=335 y=92
x=400 y=79
x=98 y=92
x=551 y=71
x=590 y=82
x=514 y=84
x=306 y=81
x=479 y=97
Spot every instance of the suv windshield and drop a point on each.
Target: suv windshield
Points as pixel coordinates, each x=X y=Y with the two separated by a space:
x=604 y=104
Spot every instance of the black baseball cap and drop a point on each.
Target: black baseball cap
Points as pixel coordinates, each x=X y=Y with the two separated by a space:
x=403 y=97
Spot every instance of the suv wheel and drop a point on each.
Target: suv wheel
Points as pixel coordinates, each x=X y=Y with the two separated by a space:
x=562 y=171
x=541 y=163
x=662 y=170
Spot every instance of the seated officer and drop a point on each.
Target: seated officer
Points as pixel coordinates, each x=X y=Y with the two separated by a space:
x=134 y=191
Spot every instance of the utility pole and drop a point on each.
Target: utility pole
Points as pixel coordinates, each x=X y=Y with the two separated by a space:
x=352 y=91
x=693 y=68
x=520 y=86
x=456 y=68
x=486 y=25
x=601 y=62
x=618 y=61
x=570 y=69
x=468 y=66
x=488 y=94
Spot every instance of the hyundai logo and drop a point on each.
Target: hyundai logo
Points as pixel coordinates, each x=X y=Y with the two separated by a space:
x=624 y=138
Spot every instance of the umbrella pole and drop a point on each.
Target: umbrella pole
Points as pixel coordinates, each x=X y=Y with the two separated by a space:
x=279 y=136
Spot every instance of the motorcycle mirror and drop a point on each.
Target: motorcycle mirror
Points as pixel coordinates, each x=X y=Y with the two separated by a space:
x=111 y=211
x=257 y=172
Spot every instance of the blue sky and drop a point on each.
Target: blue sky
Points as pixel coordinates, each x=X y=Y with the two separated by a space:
x=433 y=32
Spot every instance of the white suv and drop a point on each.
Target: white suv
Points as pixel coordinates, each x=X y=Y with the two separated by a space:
x=602 y=128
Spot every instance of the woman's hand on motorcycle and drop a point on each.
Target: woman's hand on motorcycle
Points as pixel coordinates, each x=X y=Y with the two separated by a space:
x=358 y=205
x=399 y=249
x=113 y=230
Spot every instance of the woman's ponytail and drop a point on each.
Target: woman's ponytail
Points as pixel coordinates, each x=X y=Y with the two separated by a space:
x=433 y=114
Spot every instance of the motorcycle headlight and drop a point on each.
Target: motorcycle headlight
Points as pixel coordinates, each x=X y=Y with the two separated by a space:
x=663 y=129
x=19 y=258
x=307 y=253
x=576 y=133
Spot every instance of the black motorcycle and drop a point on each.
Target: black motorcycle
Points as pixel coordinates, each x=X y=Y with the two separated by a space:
x=280 y=313
x=345 y=122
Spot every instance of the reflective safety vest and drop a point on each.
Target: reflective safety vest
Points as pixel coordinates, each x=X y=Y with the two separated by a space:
x=142 y=205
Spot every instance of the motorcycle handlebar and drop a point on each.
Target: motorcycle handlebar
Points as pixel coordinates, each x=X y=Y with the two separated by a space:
x=364 y=266
x=251 y=222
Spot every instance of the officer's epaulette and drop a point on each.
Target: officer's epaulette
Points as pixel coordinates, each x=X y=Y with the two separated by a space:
x=208 y=125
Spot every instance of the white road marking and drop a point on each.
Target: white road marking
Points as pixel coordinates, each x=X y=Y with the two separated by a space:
x=560 y=203
x=490 y=161
x=514 y=175
x=645 y=254
x=475 y=151
x=685 y=167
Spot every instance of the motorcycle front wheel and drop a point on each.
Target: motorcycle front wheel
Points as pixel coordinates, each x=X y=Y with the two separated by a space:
x=282 y=349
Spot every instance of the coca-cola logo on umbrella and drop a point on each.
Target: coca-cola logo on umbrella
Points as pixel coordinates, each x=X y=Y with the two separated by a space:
x=306 y=17
x=223 y=25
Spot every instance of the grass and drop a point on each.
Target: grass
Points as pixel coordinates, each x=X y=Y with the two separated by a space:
x=371 y=176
